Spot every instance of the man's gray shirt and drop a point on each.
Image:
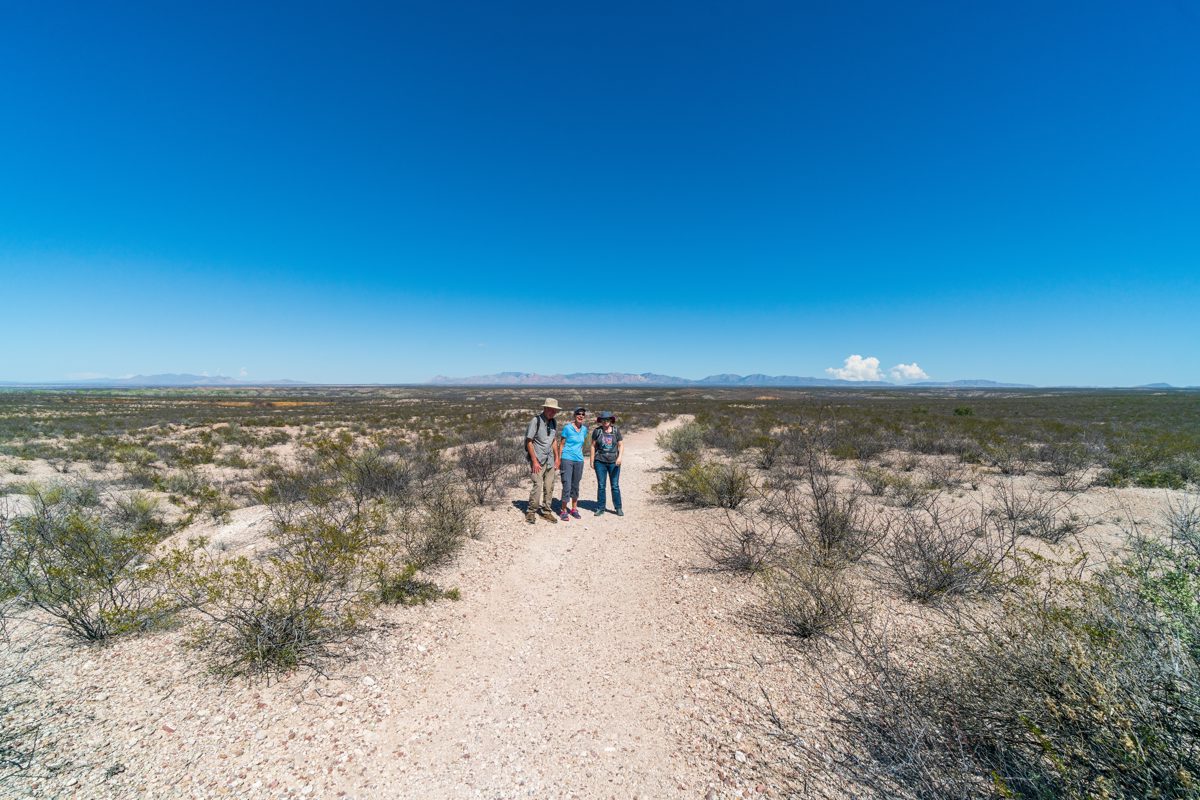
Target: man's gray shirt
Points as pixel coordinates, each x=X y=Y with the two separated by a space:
x=541 y=432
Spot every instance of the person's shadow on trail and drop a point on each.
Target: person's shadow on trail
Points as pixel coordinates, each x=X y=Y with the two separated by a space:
x=584 y=505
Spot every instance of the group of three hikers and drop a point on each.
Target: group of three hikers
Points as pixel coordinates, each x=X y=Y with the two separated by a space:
x=553 y=451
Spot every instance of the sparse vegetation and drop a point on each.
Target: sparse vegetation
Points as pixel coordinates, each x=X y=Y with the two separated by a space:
x=84 y=562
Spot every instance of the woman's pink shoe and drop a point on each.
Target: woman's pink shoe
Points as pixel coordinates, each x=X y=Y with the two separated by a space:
x=575 y=513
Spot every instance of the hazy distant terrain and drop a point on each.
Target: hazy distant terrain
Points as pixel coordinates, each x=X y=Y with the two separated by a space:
x=653 y=379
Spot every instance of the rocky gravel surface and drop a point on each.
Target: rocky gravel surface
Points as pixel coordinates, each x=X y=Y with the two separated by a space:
x=586 y=659
x=596 y=658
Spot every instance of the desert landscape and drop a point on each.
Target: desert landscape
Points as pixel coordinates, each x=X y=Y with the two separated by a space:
x=318 y=592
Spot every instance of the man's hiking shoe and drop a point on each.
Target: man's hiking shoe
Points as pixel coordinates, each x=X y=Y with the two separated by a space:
x=565 y=517
x=620 y=513
x=599 y=511
x=530 y=517
x=549 y=515
x=575 y=513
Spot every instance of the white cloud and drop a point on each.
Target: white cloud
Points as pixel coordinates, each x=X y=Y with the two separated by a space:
x=242 y=372
x=857 y=368
x=906 y=373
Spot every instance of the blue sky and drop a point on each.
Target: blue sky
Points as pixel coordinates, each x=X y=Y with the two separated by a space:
x=386 y=192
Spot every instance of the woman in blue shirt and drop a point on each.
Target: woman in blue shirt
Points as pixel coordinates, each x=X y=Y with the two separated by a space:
x=570 y=448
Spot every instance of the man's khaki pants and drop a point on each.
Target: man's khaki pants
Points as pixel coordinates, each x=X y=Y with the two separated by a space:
x=542 y=493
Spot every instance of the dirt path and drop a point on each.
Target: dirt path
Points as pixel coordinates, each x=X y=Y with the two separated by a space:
x=564 y=679
x=586 y=659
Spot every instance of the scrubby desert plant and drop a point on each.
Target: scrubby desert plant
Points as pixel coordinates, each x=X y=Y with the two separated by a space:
x=403 y=587
x=707 y=484
x=829 y=526
x=271 y=617
x=1071 y=688
x=876 y=480
x=684 y=444
x=803 y=600
x=1011 y=458
x=1024 y=511
x=484 y=466
x=743 y=540
x=935 y=555
x=83 y=563
x=434 y=532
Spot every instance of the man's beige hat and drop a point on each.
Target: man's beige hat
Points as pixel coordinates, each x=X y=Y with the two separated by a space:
x=551 y=403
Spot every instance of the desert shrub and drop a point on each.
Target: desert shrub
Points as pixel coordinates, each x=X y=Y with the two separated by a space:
x=831 y=528
x=433 y=532
x=405 y=588
x=803 y=600
x=484 y=466
x=144 y=477
x=910 y=493
x=1011 y=458
x=728 y=436
x=139 y=512
x=1181 y=521
x=1071 y=689
x=875 y=479
x=1066 y=462
x=1149 y=467
x=84 y=563
x=683 y=443
x=935 y=555
x=272 y=617
x=707 y=484
x=1028 y=512
x=768 y=449
x=742 y=540
x=942 y=474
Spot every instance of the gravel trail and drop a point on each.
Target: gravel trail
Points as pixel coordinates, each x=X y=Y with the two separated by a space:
x=586 y=659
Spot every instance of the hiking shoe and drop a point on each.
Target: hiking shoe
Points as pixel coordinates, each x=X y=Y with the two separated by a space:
x=547 y=514
x=620 y=513
x=565 y=517
x=530 y=517
x=575 y=513
x=599 y=511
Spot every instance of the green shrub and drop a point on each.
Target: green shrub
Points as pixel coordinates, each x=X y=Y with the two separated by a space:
x=404 y=588
x=683 y=443
x=707 y=484
x=1070 y=688
x=84 y=563
x=272 y=617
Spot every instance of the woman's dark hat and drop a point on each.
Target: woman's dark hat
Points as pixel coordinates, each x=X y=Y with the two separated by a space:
x=606 y=415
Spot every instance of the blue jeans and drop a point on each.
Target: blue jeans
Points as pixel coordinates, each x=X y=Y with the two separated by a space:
x=613 y=473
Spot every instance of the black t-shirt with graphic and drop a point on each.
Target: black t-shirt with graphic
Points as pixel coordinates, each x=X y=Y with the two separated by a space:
x=604 y=445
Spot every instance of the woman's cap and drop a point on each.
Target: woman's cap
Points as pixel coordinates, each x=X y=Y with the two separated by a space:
x=581 y=410
x=606 y=415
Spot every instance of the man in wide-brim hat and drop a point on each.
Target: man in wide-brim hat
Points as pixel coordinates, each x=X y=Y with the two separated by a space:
x=543 y=461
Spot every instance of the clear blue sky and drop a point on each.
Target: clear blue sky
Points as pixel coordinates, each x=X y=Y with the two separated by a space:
x=385 y=192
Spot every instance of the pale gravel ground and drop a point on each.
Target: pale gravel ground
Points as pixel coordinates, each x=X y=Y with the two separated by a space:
x=587 y=659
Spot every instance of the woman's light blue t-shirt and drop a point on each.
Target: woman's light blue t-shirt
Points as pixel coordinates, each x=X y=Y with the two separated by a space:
x=573 y=440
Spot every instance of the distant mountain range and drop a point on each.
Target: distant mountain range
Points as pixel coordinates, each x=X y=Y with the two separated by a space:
x=726 y=379
x=536 y=379
x=151 y=381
